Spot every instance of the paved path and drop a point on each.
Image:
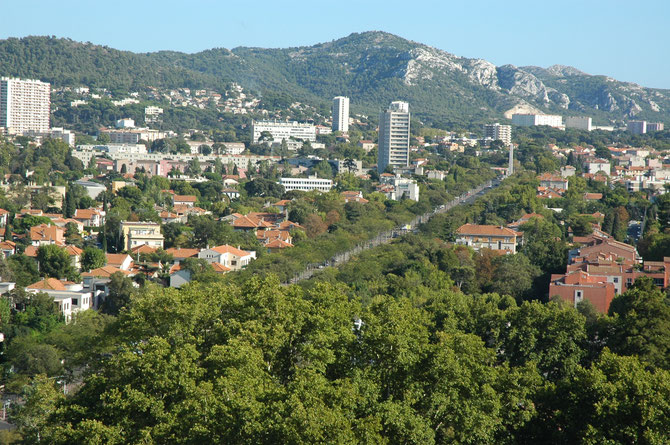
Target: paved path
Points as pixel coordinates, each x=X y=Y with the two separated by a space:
x=387 y=237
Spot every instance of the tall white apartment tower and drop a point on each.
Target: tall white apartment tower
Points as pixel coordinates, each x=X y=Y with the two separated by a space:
x=25 y=105
x=394 y=136
x=341 y=114
x=498 y=132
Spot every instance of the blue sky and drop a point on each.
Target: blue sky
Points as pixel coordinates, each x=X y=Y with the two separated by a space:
x=622 y=39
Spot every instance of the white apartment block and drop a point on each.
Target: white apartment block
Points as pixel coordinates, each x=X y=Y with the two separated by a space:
x=283 y=130
x=498 y=132
x=529 y=120
x=66 y=136
x=341 y=114
x=306 y=184
x=579 y=123
x=25 y=105
x=655 y=126
x=394 y=132
x=152 y=114
x=134 y=136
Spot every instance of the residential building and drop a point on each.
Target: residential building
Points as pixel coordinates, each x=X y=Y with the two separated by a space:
x=394 y=134
x=70 y=297
x=553 y=181
x=530 y=120
x=135 y=135
x=637 y=127
x=487 y=236
x=152 y=114
x=579 y=122
x=498 y=132
x=233 y=148
x=43 y=234
x=396 y=187
x=283 y=130
x=655 y=126
x=135 y=233
x=233 y=258
x=341 y=114
x=594 y=166
x=306 y=184
x=90 y=217
x=66 y=136
x=25 y=105
x=185 y=200
x=578 y=286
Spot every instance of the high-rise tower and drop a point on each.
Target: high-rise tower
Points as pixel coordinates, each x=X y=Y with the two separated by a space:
x=341 y=114
x=25 y=105
x=394 y=136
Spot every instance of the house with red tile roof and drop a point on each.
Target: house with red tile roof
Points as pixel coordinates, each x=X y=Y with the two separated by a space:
x=184 y=200
x=43 y=234
x=229 y=256
x=90 y=217
x=70 y=297
x=487 y=236
x=578 y=286
x=121 y=261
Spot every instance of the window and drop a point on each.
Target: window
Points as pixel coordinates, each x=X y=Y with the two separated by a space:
x=616 y=279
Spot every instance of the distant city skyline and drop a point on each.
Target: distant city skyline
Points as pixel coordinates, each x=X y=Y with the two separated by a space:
x=599 y=37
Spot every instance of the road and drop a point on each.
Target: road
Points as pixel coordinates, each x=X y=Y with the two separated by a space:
x=387 y=237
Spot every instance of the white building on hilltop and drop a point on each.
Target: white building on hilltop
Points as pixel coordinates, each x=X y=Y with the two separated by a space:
x=25 y=105
x=530 y=120
x=341 y=114
x=283 y=130
x=394 y=127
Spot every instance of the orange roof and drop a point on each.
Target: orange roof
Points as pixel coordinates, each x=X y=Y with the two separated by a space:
x=144 y=248
x=73 y=250
x=31 y=251
x=282 y=203
x=3 y=212
x=184 y=198
x=476 y=229
x=116 y=259
x=48 y=284
x=278 y=244
x=44 y=232
x=7 y=245
x=220 y=268
x=104 y=272
x=593 y=196
x=85 y=213
x=182 y=253
x=229 y=249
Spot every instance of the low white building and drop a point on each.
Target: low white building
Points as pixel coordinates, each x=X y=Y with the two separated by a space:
x=70 y=297
x=402 y=188
x=283 y=130
x=598 y=165
x=228 y=256
x=307 y=184
x=579 y=123
x=530 y=120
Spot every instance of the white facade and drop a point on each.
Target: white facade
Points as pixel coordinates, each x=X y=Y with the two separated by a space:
x=234 y=259
x=655 y=126
x=306 y=184
x=133 y=136
x=66 y=136
x=341 y=114
x=125 y=123
x=579 y=123
x=598 y=165
x=529 y=120
x=115 y=148
x=498 y=132
x=25 y=105
x=152 y=114
x=283 y=130
x=394 y=132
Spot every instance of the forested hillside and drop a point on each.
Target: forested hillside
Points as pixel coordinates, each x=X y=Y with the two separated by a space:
x=373 y=68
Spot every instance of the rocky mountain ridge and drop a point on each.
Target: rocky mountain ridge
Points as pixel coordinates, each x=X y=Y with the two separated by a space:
x=373 y=68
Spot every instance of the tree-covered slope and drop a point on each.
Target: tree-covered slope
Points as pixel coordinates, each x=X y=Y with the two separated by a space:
x=372 y=68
